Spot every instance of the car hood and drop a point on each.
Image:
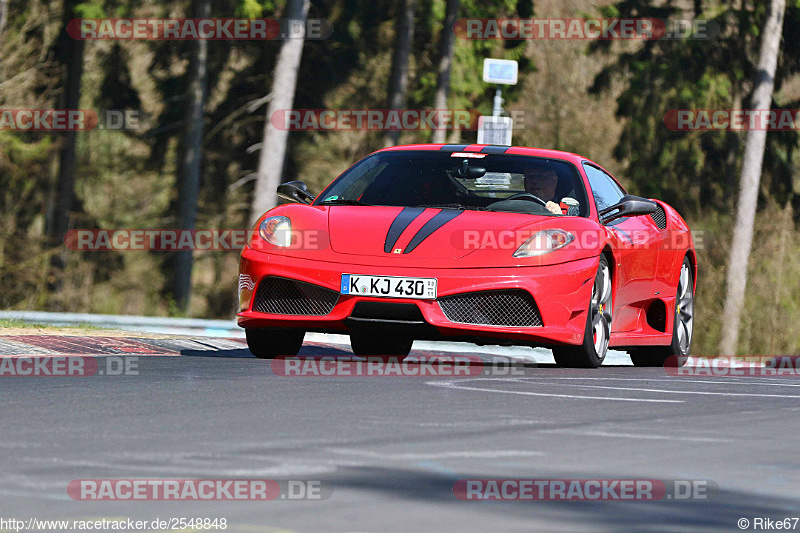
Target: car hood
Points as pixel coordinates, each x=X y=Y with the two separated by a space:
x=420 y=233
x=360 y=235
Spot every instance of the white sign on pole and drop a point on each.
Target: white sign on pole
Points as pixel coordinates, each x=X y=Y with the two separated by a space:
x=495 y=130
x=502 y=71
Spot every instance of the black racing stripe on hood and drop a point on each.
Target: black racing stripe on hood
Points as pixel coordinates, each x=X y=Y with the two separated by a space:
x=453 y=148
x=494 y=149
x=399 y=225
x=441 y=218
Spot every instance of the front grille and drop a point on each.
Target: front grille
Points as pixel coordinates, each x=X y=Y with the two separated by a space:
x=283 y=296
x=514 y=308
x=660 y=217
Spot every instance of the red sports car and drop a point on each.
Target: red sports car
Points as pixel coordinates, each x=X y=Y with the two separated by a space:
x=484 y=244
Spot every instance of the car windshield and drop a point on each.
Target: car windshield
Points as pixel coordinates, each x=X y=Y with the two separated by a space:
x=457 y=180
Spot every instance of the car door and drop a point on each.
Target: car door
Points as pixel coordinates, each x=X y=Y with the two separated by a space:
x=635 y=247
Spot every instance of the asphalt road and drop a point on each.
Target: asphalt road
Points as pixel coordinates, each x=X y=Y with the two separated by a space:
x=388 y=450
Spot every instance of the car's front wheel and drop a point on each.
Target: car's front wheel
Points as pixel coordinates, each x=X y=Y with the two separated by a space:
x=592 y=352
x=267 y=343
x=373 y=343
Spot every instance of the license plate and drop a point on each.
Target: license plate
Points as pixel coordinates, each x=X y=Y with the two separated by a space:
x=389 y=286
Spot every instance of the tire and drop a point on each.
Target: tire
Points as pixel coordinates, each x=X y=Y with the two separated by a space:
x=371 y=343
x=592 y=352
x=267 y=343
x=681 y=345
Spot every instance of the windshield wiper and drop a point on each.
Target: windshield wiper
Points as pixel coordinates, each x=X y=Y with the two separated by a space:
x=342 y=201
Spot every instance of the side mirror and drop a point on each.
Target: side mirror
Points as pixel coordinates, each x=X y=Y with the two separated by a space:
x=628 y=206
x=295 y=191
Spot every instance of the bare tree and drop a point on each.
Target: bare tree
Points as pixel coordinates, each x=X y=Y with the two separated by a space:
x=273 y=148
x=749 y=180
x=445 y=64
x=191 y=156
x=398 y=82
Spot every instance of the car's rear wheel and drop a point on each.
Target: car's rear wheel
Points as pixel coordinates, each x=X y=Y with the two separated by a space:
x=592 y=352
x=379 y=343
x=267 y=343
x=681 y=344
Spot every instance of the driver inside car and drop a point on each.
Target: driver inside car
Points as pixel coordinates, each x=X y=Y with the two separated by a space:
x=542 y=183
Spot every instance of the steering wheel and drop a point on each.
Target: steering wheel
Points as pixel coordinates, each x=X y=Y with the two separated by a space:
x=527 y=196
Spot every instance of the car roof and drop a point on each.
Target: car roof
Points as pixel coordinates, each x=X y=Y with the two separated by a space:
x=495 y=149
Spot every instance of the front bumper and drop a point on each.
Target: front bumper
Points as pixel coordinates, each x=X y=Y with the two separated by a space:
x=561 y=292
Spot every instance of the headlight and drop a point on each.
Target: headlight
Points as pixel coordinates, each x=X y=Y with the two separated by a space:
x=544 y=242
x=276 y=230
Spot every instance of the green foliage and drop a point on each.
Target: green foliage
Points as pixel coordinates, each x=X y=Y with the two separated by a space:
x=773 y=283
x=694 y=170
x=92 y=9
x=467 y=87
x=252 y=8
x=698 y=171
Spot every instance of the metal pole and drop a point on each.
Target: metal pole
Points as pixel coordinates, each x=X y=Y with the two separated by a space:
x=498 y=102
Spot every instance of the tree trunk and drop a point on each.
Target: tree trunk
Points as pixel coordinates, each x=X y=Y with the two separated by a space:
x=749 y=181
x=3 y=17
x=273 y=149
x=192 y=157
x=445 y=64
x=68 y=53
x=398 y=83
x=733 y=144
